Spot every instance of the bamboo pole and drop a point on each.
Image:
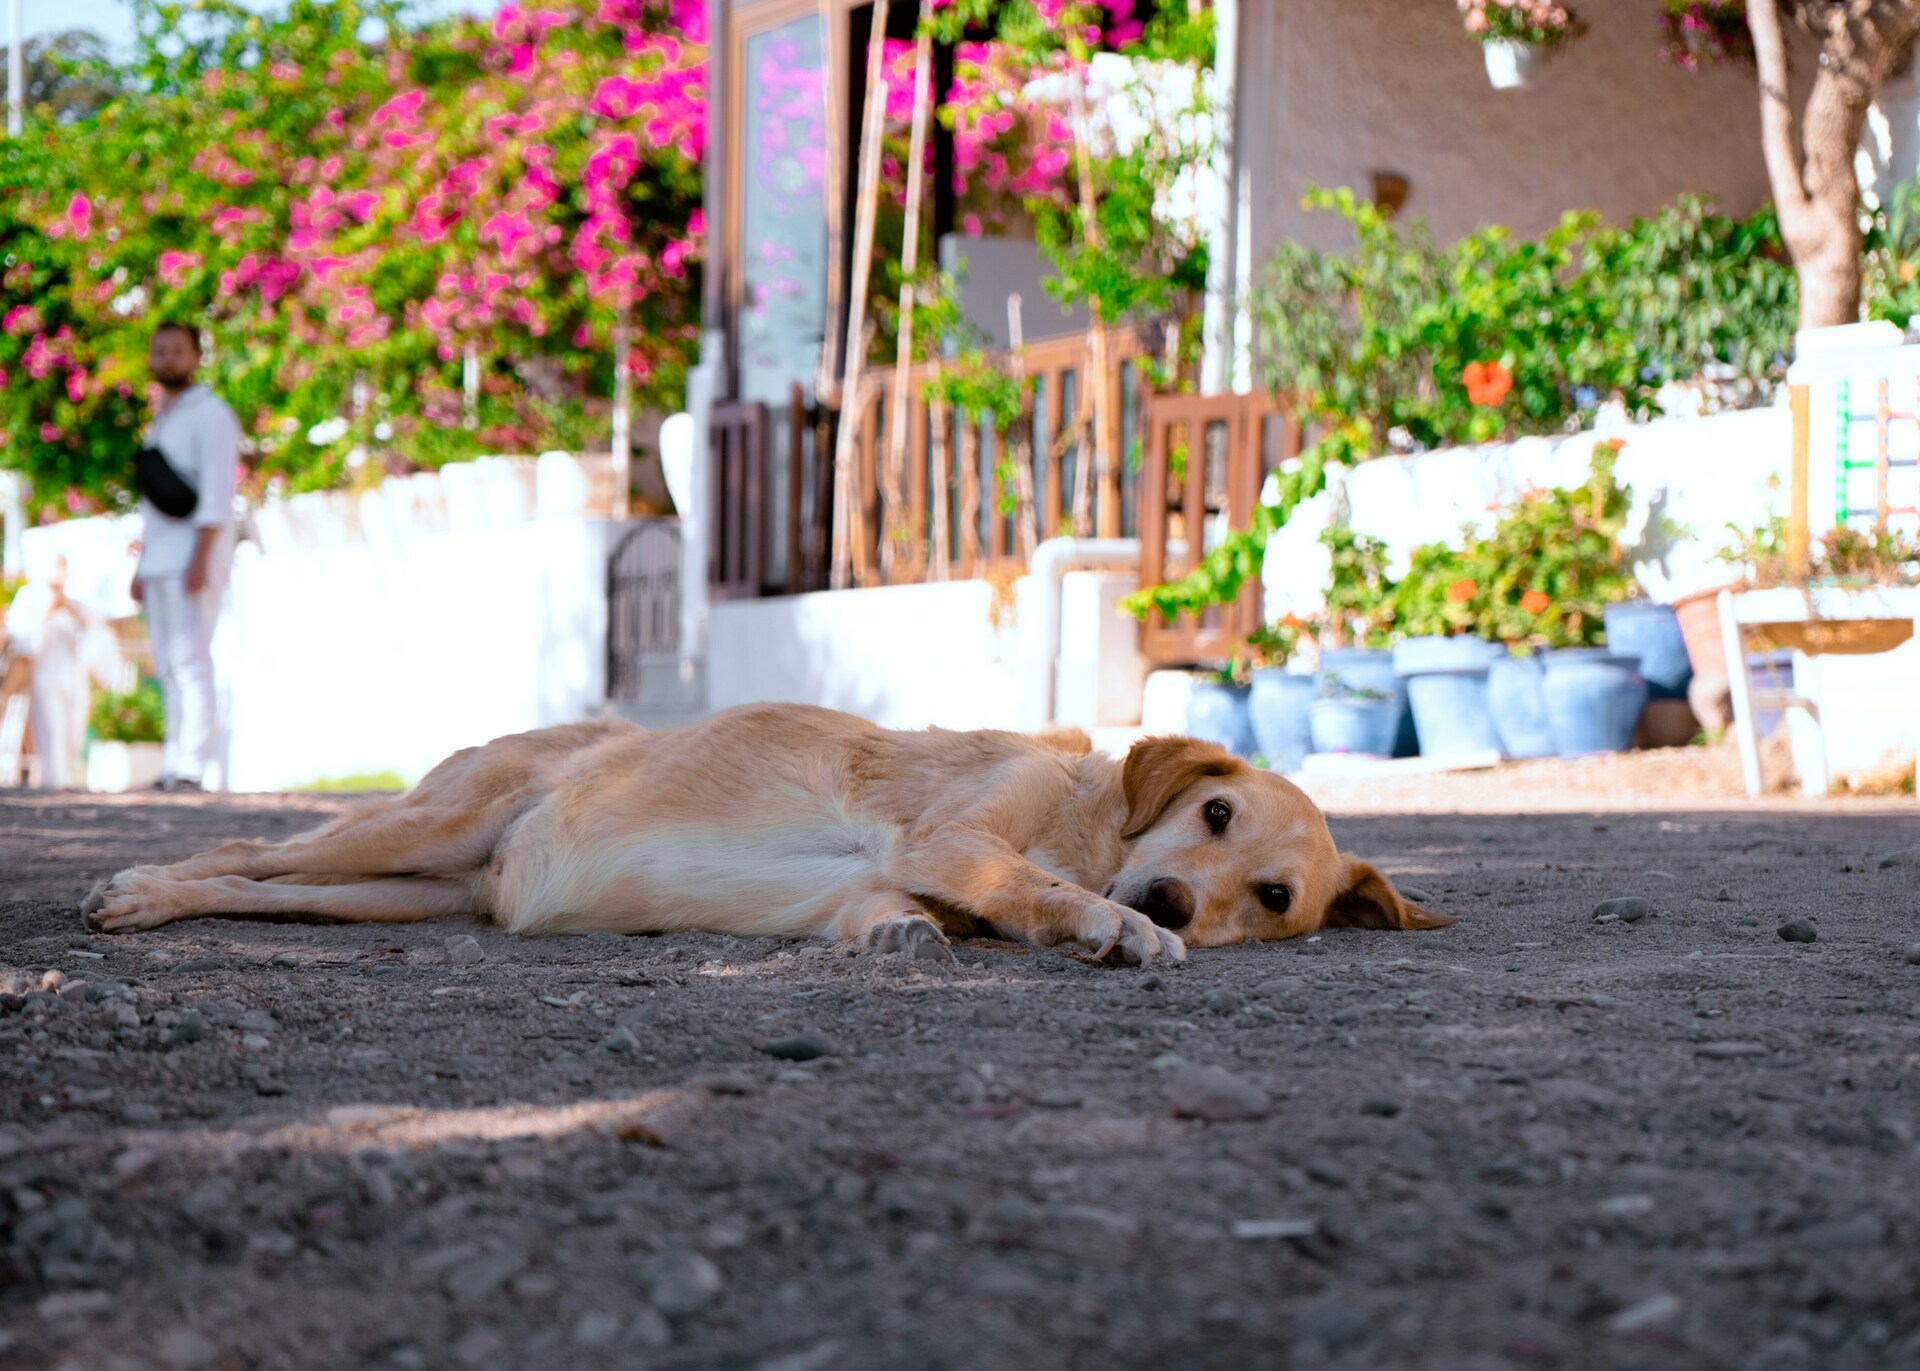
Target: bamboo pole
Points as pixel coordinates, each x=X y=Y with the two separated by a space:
x=970 y=492
x=826 y=387
x=942 y=426
x=1026 y=517
x=900 y=416
x=1098 y=408
x=847 y=519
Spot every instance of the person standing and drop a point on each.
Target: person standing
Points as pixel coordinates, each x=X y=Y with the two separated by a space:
x=184 y=559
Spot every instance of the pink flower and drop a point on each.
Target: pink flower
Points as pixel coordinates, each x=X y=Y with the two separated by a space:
x=76 y=386
x=49 y=433
x=361 y=204
x=21 y=319
x=80 y=215
x=401 y=110
x=284 y=71
x=174 y=266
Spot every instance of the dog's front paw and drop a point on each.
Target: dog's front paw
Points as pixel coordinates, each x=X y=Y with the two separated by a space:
x=1133 y=939
x=914 y=935
x=131 y=902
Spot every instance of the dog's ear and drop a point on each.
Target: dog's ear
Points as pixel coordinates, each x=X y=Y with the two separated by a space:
x=1368 y=900
x=1158 y=769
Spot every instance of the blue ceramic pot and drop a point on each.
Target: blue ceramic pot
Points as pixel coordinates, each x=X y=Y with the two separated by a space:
x=1593 y=699
x=1347 y=669
x=1447 y=690
x=1351 y=724
x=1278 y=709
x=1217 y=713
x=1516 y=693
x=1640 y=628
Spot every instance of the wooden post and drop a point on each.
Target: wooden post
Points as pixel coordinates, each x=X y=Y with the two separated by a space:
x=1025 y=526
x=622 y=437
x=897 y=419
x=970 y=492
x=826 y=387
x=1797 y=512
x=941 y=552
x=1098 y=405
x=846 y=509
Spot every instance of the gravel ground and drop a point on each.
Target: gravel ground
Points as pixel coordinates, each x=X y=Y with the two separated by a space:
x=1675 y=1139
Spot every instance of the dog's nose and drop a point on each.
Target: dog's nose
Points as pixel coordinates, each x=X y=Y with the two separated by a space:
x=1169 y=903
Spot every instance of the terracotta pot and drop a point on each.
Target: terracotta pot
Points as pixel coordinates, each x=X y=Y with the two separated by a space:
x=1699 y=615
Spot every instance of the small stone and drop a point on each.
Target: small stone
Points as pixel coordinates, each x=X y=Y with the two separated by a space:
x=185 y=1350
x=1380 y=1105
x=647 y=1329
x=1798 y=931
x=191 y=1029
x=1167 y=1061
x=283 y=960
x=463 y=949
x=1263 y=1230
x=1218 y=1096
x=193 y=964
x=473 y=1281
x=73 y=992
x=1222 y=1001
x=1627 y=909
x=1913 y=955
x=73 y=1304
x=123 y=1015
x=1907 y=857
x=1655 y=1309
x=621 y=1040
x=1723 y=895
x=799 y=1047
x=480 y=1347
x=136 y=1112
x=1414 y=893
x=1623 y=1205
x=1727 y=1051
x=683 y=1283
x=595 y=1330
x=1151 y=981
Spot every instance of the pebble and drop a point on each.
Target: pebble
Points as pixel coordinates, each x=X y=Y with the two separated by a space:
x=1723 y=895
x=1798 y=931
x=1219 y=1096
x=473 y=1281
x=257 y=1021
x=1167 y=1061
x=1627 y=909
x=191 y=1029
x=123 y=1015
x=648 y=1329
x=621 y=1040
x=1913 y=955
x=1905 y=857
x=1414 y=893
x=254 y=1042
x=135 y=1112
x=1151 y=981
x=595 y=1330
x=1725 y=1051
x=283 y=960
x=185 y=1350
x=73 y=1304
x=725 y=1083
x=1222 y=1001
x=682 y=1283
x=201 y=964
x=799 y=1047
x=1380 y=1105
x=1262 y=1230
x=1655 y=1309
x=464 y=950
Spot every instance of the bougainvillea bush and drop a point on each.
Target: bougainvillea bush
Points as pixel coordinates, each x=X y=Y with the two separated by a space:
x=352 y=206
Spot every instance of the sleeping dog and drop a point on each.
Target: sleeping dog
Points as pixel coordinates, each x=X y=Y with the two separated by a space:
x=791 y=821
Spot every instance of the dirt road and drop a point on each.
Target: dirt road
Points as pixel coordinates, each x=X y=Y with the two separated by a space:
x=1528 y=1141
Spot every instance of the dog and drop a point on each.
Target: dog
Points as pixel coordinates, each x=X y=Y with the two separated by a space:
x=792 y=821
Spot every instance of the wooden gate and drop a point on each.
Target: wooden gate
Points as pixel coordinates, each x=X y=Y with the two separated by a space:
x=1206 y=458
x=736 y=548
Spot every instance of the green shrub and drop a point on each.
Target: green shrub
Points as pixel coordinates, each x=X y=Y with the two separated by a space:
x=133 y=716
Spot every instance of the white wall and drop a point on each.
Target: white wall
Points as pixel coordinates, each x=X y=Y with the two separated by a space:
x=902 y=656
x=1339 y=89
x=1700 y=473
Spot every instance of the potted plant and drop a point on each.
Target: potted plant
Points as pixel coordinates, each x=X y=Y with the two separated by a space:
x=1217 y=707
x=126 y=729
x=1280 y=699
x=1513 y=34
x=1355 y=687
x=1704 y=33
x=1445 y=663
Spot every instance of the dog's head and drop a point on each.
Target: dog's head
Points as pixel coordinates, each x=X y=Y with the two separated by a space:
x=1221 y=852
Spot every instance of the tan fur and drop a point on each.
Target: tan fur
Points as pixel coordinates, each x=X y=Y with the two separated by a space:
x=787 y=820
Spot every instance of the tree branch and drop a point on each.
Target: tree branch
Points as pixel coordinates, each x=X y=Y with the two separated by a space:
x=1776 y=106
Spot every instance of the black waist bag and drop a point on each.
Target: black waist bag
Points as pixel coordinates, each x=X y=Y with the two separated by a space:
x=161 y=486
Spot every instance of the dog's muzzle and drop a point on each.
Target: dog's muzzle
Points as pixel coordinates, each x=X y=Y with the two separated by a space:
x=1168 y=903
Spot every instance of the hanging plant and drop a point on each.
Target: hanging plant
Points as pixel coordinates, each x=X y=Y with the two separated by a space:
x=1705 y=33
x=1534 y=23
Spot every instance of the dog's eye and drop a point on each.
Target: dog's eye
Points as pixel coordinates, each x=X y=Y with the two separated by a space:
x=1217 y=814
x=1277 y=898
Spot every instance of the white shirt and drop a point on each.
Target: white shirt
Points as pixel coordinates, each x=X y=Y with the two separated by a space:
x=200 y=438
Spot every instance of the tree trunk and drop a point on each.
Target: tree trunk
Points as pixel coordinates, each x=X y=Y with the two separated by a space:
x=1815 y=189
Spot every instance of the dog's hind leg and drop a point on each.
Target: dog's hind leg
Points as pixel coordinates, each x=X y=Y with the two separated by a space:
x=890 y=921
x=140 y=900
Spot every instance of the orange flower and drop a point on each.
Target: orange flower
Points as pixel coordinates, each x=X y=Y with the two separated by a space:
x=1616 y=443
x=1487 y=383
x=1461 y=591
x=1535 y=600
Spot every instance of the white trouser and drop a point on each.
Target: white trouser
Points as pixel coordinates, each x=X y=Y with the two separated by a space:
x=180 y=627
x=59 y=717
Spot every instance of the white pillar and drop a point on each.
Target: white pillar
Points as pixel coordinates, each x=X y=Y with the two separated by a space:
x=1217 y=210
x=13 y=510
